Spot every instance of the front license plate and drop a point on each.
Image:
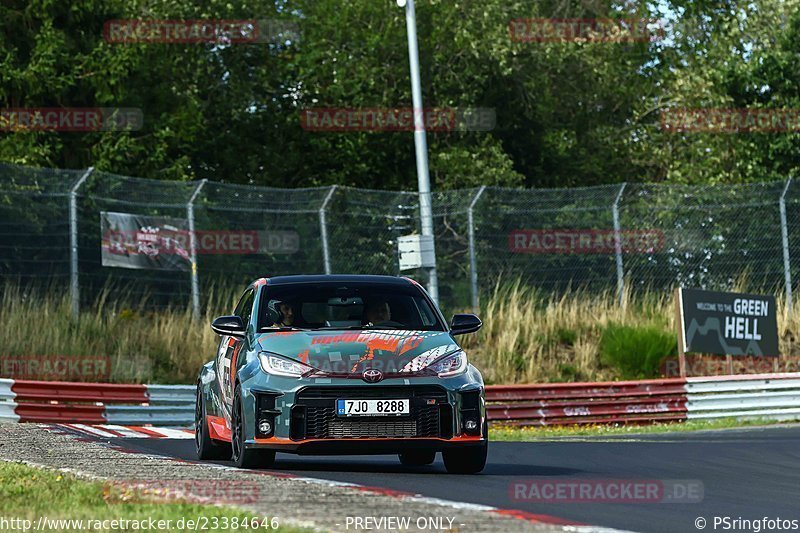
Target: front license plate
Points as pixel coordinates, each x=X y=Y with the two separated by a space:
x=372 y=407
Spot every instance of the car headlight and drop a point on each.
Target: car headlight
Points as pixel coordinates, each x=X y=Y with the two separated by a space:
x=450 y=365
x=280 y=366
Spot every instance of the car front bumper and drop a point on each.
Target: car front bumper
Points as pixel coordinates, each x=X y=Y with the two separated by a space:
x=302 y=414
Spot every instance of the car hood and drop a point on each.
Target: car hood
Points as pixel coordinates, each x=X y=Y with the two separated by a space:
x=352 y=352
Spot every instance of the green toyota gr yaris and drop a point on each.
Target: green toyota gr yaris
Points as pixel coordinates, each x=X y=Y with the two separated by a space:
x=341 y=365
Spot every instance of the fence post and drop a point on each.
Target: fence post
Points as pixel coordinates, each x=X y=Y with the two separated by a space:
x=193 y=251
x=618 y=245
x=787 y=272
x=473 y=262
x=323 y=230
x=74 y=287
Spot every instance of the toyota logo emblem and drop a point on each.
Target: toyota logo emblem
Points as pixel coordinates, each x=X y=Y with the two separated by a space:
x=372 y=376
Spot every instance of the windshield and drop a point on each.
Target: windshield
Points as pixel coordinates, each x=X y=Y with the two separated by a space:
x=346 y=306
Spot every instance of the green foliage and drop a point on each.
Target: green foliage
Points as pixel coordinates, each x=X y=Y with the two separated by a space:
x=636 y=351
x=568 y=113
x=567 y=336
x=568 y=373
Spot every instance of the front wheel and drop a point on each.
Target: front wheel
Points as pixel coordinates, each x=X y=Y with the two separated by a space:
x=469 y=460
x=417 y=458
x=241 y=456
x=206 y=448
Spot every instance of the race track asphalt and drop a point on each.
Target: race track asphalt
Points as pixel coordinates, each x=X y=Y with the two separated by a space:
x=745 y=474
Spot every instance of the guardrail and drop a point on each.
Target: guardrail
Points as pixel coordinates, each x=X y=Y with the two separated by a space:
x=773 y=396
x=768 y=396
x=647 y=401
x=96 y=403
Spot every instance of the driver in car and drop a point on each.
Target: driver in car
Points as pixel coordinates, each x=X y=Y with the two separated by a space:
x=282 y=313
x=287 y=314
x=377 y=312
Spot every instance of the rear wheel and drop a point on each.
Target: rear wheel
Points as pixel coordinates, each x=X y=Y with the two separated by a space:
x=469 y=460
x=241 y=456
x=417 y=458
x=206 y=448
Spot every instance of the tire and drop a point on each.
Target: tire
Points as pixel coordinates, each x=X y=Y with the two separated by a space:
x=243 y=457
x=417 y=458
x=465 y=460
x=207 y=449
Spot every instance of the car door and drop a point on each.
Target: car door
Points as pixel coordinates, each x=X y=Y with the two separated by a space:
x=229 y=350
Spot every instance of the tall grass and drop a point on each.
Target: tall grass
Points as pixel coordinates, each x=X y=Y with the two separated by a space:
x=636 y=351
x=140 y=345
x=528 y=336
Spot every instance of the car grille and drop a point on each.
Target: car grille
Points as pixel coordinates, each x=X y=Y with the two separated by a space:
x=345 y=429
x=314 y=414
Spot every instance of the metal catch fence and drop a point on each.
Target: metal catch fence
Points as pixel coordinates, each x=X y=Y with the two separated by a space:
x=170 y=243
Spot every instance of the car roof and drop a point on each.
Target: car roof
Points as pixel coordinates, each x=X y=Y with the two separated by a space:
x=339 y=278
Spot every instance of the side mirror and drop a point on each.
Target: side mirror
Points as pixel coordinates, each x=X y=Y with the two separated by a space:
x=466 y=323
x=229 y=325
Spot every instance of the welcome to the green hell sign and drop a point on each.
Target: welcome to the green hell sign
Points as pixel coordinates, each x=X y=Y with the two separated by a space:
x=727 y=323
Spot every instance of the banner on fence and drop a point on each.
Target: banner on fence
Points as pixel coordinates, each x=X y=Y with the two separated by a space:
x=148 y=242
x=163 y=243
x=727 y=323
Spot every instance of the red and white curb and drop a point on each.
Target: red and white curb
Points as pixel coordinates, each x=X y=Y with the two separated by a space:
x=111 y=431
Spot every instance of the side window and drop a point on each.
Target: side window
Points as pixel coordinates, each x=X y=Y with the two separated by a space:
x=244 y=308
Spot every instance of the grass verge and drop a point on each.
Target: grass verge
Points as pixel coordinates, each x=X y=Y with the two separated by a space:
x=515 y=434
x=29 y=493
